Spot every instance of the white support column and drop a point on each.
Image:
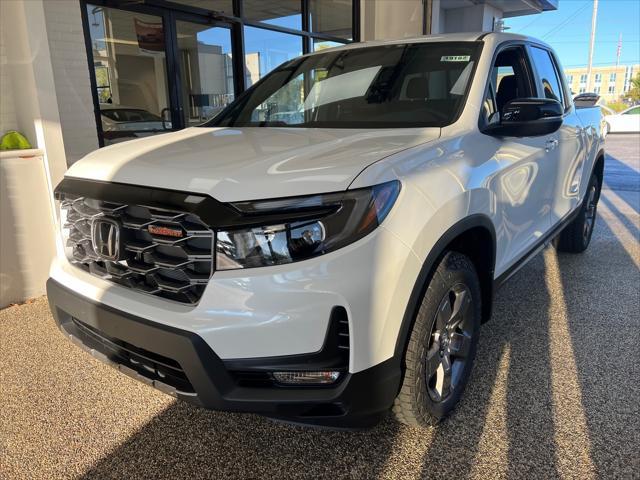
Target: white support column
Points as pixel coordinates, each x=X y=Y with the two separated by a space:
x=28 y=177
x=30 y=72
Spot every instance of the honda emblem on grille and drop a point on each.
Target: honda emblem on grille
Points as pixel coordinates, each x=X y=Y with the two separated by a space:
x=105 y=236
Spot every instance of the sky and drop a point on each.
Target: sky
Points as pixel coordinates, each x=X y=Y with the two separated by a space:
x=567 y=30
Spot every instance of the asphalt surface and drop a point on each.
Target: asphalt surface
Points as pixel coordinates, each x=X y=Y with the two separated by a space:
x=555 y=391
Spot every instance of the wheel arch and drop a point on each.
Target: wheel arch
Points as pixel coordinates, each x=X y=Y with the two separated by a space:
x=598 y=166
x=477 y=227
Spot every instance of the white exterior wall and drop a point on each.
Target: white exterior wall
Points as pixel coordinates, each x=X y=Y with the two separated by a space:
x=71 y=77
x=475 y=18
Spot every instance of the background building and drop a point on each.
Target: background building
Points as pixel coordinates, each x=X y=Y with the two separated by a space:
x=611 y=81
x=76 y=75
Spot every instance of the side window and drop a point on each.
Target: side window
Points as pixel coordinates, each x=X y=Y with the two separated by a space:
x=489 y=107
x=509 y=79
x=633 y=111
x=548 y=76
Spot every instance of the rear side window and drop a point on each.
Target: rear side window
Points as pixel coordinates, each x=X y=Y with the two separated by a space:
x=547 y=74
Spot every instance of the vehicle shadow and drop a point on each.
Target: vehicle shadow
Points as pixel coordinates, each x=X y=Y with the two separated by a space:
x=504 y=423
x=623 y=179
x=189 y=442
x=545 y=407
x=603 y=318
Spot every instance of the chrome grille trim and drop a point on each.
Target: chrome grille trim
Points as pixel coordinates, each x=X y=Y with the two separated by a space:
x=175 y=268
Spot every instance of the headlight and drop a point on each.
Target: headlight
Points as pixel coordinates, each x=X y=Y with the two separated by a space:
x=347 y=217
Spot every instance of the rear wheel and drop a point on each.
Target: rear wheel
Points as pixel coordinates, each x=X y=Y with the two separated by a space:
x=576 y=236
x=442 y=344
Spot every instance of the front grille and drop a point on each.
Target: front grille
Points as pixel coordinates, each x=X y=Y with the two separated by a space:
x=173 y=262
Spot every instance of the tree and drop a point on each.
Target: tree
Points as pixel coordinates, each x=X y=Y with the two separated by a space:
x=634 y=92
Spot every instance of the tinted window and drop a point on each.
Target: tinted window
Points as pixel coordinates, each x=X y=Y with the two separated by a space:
x=550 y=83
x=375 y=87
x=633 y=111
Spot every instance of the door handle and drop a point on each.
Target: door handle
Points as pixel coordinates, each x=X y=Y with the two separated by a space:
x=550 y=145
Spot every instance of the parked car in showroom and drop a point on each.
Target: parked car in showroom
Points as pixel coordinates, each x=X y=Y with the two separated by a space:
x=626 y=121
x=121 y=123
x=328 y=267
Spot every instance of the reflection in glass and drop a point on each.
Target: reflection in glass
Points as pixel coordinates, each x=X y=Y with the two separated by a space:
x=265 y=50
x=206 y=70
x=319 y=44
x=283 y=13
x=224 y=6
x=404 y=85
x=131 y=78
x=331 y=17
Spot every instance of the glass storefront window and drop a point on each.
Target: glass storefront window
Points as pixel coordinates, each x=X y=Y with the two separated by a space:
x=331 y=17
x=131 y=77
x=266 y=49
x=206 y=68
x=282 y=13
x=131 y=64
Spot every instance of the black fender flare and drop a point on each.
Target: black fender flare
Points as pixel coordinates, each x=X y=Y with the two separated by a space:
x=427 y=270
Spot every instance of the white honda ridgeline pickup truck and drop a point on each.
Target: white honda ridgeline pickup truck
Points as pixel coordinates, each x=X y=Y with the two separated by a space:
x=326 y=248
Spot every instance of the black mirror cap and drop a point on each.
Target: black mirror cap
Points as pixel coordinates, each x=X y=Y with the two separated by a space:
x=528 y=117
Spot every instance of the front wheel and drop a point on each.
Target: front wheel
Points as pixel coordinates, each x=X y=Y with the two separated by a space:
x=576 y=236
x=442 y=344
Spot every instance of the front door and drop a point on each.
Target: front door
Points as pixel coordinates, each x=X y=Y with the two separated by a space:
x=521 y=184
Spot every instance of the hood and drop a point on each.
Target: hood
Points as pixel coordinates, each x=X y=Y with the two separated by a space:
x=234 y=164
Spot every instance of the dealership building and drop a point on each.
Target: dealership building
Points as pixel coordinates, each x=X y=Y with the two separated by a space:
x=77 y=75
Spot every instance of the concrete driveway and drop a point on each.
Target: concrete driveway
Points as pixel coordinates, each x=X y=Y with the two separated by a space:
x=555 y=391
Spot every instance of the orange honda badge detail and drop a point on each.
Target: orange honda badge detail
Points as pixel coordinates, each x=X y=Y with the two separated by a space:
x=165 y=231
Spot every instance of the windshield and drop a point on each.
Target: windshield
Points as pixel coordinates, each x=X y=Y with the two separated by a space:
x=406 y=85
x=130 y=115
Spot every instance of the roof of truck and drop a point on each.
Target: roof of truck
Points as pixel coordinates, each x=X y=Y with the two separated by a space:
x=493 y=37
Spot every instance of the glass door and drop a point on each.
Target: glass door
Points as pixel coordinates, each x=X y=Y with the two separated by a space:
x=206 y=70
x=129 y=59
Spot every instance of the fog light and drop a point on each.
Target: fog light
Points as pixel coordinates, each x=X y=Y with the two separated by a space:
x=306 y=378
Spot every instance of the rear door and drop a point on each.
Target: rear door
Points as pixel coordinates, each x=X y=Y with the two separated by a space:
x=566 y=148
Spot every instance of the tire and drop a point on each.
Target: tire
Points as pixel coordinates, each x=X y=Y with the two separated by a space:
x=423 y=399
x=576 y=236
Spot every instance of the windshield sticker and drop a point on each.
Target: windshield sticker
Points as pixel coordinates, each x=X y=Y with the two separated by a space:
x=455 y=58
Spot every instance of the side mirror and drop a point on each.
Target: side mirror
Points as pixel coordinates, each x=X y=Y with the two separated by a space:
x=528 y=117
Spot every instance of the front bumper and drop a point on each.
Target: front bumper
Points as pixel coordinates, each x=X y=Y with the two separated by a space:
x=284 y=309
x=182 y=364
